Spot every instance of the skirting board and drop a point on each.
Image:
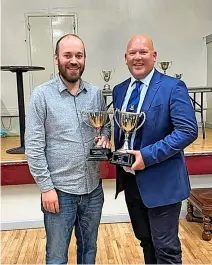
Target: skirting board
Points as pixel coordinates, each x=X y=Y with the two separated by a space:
x=106 y=219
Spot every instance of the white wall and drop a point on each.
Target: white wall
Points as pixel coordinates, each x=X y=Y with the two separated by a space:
x=177 y=28
x=21 y=204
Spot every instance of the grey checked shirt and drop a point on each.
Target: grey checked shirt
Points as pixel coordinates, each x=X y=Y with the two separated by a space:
x=58 y=140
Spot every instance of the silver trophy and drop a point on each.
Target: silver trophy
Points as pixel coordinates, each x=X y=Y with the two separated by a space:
x=98 y=120
x=127 y=122
x=106 y=75
x=164 y=66
x=179 y=76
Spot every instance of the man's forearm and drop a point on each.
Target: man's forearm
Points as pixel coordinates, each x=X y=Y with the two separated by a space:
x=35 y=141
x=39 y=170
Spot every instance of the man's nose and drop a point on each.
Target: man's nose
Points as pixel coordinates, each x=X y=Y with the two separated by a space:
x=138 y=55
x=73 y=60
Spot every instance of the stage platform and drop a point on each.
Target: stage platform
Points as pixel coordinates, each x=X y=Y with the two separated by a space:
x=15 y=171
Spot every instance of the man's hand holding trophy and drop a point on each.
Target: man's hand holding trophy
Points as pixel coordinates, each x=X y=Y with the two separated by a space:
x=101 y=150
x=128 y=123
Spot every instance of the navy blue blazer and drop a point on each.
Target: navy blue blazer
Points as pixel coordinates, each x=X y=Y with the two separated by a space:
x=170 y=126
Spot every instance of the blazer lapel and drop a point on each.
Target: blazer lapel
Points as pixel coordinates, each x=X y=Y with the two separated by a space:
x=152 y=89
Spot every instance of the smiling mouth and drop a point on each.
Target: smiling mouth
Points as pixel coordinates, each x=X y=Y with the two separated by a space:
x=73 y=68
x=138 y=66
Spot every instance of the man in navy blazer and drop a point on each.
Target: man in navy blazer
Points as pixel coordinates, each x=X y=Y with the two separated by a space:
x=158 y=181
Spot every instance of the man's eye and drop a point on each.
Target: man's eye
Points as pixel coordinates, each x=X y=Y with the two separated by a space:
x=132 y=53
x=67 y=56
x=79 y=56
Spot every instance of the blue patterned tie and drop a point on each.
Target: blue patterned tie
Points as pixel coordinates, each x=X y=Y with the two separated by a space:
x=132 y=105
x=133 y=102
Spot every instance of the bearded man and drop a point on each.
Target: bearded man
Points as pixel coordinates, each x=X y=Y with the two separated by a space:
x=57 y=142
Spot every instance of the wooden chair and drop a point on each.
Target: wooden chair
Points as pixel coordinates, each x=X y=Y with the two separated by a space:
x=201 y=199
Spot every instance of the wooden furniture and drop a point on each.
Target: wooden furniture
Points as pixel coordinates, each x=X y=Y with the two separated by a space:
x=201 y=199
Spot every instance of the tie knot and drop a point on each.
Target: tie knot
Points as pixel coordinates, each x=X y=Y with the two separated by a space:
x=137 y=84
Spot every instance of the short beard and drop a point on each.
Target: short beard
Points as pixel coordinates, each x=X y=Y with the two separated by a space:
x=70 y=79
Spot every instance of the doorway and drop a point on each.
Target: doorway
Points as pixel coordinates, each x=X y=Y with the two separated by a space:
x=43 y=32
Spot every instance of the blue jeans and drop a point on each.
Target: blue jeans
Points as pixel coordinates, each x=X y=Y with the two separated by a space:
x=82 y=212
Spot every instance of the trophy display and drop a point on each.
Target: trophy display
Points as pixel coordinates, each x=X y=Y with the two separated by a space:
x=179 y=76
x=127 y=122
x=164 y=66
x=97 y=120
x=106 y=75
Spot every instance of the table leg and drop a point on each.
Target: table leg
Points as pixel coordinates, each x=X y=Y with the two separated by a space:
x=202 y=116
x=21 y=109
x=206 y=234
x=190 y=211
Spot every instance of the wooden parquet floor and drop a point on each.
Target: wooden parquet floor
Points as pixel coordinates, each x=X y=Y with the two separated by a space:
x=116 y=245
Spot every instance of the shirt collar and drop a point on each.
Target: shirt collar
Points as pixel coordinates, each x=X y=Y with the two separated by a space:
x=62 y=85
x=145 y=80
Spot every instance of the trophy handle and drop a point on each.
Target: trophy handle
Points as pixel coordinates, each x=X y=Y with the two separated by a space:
x=170 y=64
x=88 y=124
x=159 y=65
x=82 y=113
x=107 y=122
x=112 y=71
x=142 y=113
x=116 y=110
x=101 y=75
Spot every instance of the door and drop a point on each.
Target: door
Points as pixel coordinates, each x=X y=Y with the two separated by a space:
x=44 y=32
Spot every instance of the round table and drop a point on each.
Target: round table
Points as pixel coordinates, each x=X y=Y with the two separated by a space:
x=19 y=70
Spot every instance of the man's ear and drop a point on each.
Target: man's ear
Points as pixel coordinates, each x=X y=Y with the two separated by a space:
x=125 y=58
x=155 y=56
x=56 y=59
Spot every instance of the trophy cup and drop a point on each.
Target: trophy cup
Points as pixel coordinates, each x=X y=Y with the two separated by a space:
x=128 y=122
x=179 y=76
x=164 y=66
x=97 y=120
x=106 y=75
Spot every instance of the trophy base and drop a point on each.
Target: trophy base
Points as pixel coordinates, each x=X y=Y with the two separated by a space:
x=122 y=159
x=99 y=154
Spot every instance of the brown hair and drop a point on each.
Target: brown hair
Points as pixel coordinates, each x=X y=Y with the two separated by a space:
x=58 y=42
